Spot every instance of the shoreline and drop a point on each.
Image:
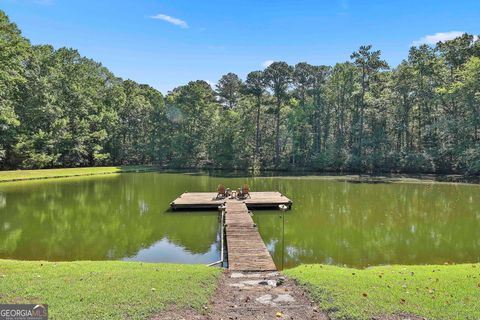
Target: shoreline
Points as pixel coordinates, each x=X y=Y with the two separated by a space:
x=42 y=174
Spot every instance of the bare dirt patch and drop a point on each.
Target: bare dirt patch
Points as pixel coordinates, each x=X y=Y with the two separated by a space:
x=253 y=296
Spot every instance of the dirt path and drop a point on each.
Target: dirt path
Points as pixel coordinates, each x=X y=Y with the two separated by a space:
x=253 y=296
x=260 y=296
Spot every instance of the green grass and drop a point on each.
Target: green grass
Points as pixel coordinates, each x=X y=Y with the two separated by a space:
x=431 y=291
x=106 y=289
x=17 y=175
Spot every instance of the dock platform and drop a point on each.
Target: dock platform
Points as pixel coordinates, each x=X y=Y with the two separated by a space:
x=246 y=250
x=208 y=200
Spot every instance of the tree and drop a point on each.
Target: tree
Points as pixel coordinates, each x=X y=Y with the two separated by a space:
x=304 y=78
x=61 y=109
x=402 y=99
x=459 y=50
x=255 y=86
x=158 y=125
x=278 y=76
x=424 y=63
x=321 y=112
x=14 y=50
x=340 y=93
x=469 y=90
x=39 y=115
x=79 y=86
x=368 y=64
x=228 y=89
x=194 y=112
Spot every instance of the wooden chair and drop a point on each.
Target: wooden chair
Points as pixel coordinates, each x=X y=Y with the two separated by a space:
x=245 y=192
x=221 y=192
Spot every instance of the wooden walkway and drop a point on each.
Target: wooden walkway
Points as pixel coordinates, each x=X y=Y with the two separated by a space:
x=207 y=200
x=245 y=248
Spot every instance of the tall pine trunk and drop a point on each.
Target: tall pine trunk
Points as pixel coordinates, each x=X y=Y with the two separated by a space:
x=257 y=133
x=277 y=132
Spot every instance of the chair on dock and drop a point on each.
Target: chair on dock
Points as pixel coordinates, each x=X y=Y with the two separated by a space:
x=221 y=192
x=244 y=192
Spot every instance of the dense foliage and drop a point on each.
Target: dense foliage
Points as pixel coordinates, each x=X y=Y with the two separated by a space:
x=59 y=109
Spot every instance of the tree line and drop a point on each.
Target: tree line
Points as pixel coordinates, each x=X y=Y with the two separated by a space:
x=60 y=109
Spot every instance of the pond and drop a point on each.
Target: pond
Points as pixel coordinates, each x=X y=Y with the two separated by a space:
x=333 y=221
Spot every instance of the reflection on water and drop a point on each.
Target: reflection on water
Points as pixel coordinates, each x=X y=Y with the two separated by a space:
x=105 y=218
x=371 y=224
x=165 y=251
x=125 y=217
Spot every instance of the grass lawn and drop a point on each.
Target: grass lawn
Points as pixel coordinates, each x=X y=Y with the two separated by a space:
x=106 y=289
x=16 y=175
x=431 y=291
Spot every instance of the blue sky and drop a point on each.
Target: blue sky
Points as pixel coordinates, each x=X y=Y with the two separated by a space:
x=166 y=43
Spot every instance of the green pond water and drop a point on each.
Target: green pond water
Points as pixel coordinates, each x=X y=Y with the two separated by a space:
x=126 y=217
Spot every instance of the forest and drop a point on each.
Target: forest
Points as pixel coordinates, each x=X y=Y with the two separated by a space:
x=60 y=109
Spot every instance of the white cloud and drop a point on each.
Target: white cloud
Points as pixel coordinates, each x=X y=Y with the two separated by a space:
x=172 y=20
x=267 y=63
x=437 y=37
x=212 y=84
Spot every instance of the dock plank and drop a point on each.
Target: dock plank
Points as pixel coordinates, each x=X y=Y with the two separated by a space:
x=245 y=247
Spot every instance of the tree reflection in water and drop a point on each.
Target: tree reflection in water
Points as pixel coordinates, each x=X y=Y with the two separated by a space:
x=124 y=217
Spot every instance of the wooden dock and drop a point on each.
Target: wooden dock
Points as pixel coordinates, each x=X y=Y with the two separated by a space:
x=246 y=250
x=208 y=200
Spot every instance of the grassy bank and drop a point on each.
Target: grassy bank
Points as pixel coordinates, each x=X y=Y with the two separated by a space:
x=431 y=291
x=107 y=289
x=18 y=175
